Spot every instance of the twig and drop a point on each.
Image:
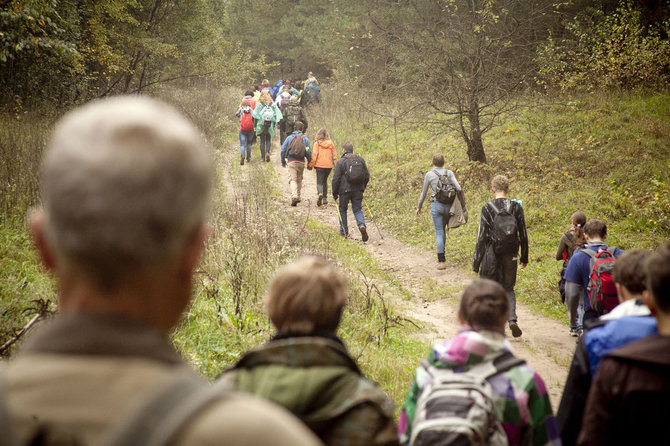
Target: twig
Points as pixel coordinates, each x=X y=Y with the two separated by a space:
x=21 y=332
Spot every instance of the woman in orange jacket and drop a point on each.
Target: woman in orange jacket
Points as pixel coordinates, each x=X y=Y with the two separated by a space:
x=324 y=158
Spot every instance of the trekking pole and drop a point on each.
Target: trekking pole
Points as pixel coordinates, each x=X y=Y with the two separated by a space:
x=339 y=216
x=373 y=219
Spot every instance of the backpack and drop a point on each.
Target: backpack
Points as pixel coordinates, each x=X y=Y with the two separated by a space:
x=445 y=192
x=354 y=170
x=458 y=408
x=601 y=290
x=292 y=114
x=297 y=148
x=246 y=122
x=504 y=233
x=267 y=115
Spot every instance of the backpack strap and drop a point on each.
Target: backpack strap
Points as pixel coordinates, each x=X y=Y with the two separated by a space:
x=158 y=421
x=485 y=369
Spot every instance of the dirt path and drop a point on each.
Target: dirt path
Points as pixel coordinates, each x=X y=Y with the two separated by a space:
x=545 y=344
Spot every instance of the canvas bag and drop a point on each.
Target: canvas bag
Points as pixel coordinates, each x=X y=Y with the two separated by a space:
x=296 y=147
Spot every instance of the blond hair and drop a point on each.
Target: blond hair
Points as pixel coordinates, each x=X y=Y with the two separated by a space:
x=306 y=296
x=265 y=97
x=500 y=183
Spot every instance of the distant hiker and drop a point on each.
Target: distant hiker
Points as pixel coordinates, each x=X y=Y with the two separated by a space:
x=571 y=240
x=306 y=367
x=283 y=98
x=265 y=86
x=244 y=113
x=294 y=152
x=311 y=79
x=350 y=179
x=249 y=95
x=579 y=272
x=276 y=89
x=447 y=205
x=628 y=322
x=472 y=389
x=629 y=400
x=324 y=158
x=502 y=231
x=124 y=254
x=267 y=114
x=311 y=94
x=292 y=114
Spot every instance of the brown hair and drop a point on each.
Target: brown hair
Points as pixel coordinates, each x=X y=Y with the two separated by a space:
x=484 y=305
x=595 y=228
x=438 y=160
x=629 y=270
x=306 y=296
x=658 y=277
x=578 y=221
x=348 y=147
x=500 y=183
x=298 y=125
x=321 y=134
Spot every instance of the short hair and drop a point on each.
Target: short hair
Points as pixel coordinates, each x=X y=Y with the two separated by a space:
x=595 y=228
x=438 y=160
x=306 y=297
x=500 y=183
x=249 y=93
x=125 y=185
x=298 y=125
x=265 y=82
x=630 y=271
x=658 y=277
x=348 y=147
x=484 y=305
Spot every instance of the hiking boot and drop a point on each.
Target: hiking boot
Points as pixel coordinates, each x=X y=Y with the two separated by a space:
x=364 y=233
x=574 y=333
x=267 y=158
x=325 y=201
x=242 y=161
x=514 y=327
x=294 y=201
x=319 y=201
x=441 y=265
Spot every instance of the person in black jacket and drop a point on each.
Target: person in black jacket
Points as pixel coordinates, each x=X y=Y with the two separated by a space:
x=349 y=182
x=495 y=265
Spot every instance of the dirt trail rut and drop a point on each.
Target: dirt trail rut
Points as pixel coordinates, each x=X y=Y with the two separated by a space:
x=545 y=343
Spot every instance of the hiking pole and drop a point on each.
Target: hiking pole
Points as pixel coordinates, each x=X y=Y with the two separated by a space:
x=373 y=219
x=339 y=216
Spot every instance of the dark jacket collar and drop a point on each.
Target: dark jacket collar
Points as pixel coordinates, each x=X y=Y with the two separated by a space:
x=654 y=349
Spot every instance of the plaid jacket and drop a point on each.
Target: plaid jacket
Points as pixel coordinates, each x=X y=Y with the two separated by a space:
x=519 y=395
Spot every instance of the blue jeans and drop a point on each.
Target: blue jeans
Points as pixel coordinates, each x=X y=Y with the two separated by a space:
x=265 y=145
x=245 y=143
x=440 y=214
x=356 y=198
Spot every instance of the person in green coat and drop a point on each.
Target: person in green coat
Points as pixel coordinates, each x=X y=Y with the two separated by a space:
x=267 y=115
x=306 y=368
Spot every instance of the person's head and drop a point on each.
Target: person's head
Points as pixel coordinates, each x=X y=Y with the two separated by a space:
x=595 y=229
x=348 y=147
x=438 y=160
x=265 y=83
x=125 y=193
x=500 y=184
x=658 y=281
x=246 y=103
x=310 y=74
x=484 y=306
x=249 y=93
x=630 y=274
x=578 y=220
x=298 y=126
x=322 y=134
x=306 y=297
x=265 y=97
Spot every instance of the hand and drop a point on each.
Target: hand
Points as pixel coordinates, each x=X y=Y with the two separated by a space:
x=523 y=265
x=418 y=211
x=309 y=167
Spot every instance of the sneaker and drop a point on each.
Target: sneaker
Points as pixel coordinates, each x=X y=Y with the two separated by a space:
x=573 y=332
x=364 y=233
x=514 y=327
x=242 y=161
x=267 y=158
x=319 y=201
x=580 y=333
x=325 y=201
x=294 y=202
x=441 y=265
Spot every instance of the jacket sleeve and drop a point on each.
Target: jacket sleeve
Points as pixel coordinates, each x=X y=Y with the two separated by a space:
x=453 y=180
x=543 y=426
x=424 y=191
x=337 y=178
x=283 y=148
x=308 y=149
x=523 y=235
x=562 y=247
x=482 y=239
x=367 y=174
x=571 y=407
x=363 y=425
x=278 y=114
x=315 y=155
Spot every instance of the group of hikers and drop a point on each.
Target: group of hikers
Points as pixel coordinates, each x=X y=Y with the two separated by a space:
x=124 y=255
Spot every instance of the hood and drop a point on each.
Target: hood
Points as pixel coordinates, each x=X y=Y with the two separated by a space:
x=327 y=144
x=468 y=348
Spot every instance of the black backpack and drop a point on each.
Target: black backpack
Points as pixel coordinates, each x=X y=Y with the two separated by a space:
x=297 y=148
x=354 y=170
x=446 y=192
x=504 y=233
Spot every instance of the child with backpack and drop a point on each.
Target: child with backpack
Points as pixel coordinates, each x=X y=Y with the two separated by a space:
x=568 y=243
x=324 y=158
x=472 y=389
x=267 y=114
x=244 y=113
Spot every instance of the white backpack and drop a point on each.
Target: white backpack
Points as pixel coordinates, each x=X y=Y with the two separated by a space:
x=457 y=408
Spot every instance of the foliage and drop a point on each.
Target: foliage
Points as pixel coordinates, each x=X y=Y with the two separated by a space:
x=604 y=51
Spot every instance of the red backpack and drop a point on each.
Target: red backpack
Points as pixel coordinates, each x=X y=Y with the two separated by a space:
x=246 y=122
x=601 y=290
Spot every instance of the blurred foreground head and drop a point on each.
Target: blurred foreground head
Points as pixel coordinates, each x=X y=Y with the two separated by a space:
x=125 y=192
x=306 y=297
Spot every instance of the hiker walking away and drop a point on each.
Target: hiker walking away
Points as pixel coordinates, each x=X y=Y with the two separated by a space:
x=267 y=114
x=265 y=86
x=250 y=96
x=324 y=158
x=570 y=241
x=276 y=89
x=244 y=113
x=282 y=102
x=306 y=367
x=579 y=271
x=294 y=152
x=502 y=231
x=311 y=79
x=447 y=205
x=630 y=397
x=350 y=179
x=292 y=114
x=124 y=255
x=629 y=321
x=472 y=389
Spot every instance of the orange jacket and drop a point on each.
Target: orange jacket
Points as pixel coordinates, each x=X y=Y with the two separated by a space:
x=323 y=155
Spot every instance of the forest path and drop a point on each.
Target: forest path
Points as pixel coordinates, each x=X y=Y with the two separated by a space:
x=545 y=344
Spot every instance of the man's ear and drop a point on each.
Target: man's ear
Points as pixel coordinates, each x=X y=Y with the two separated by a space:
x=36 y=222
x=649 y=300
x=193 y=250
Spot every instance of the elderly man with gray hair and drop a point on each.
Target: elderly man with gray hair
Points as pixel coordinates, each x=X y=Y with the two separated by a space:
x=125 y=191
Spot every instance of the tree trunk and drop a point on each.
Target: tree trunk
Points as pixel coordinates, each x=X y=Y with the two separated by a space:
x=476 y=148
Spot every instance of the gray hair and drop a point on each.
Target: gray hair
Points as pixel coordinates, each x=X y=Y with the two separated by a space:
x=125 y=185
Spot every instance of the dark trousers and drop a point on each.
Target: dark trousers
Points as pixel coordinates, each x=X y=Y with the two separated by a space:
x=356 y=198
x=507 y=266
x=322 y=181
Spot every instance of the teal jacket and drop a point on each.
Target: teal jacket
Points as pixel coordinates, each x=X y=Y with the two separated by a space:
x=256 y=114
